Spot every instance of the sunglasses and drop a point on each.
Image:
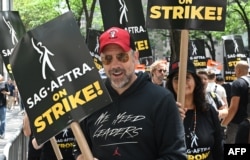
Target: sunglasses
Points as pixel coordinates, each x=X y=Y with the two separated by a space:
x=121 y=57
x=162 y=70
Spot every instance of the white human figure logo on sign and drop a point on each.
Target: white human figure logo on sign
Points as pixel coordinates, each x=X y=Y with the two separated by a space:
x=12 y=31
x=236 y=47
x=194 y=49
x=44 y=58
x=123 y=10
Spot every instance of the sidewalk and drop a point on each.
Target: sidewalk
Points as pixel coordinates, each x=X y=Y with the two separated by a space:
x=14 y=121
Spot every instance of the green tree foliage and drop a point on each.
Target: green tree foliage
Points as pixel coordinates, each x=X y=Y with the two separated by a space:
x=237 y=22
x=36 y=12
x=238 y=11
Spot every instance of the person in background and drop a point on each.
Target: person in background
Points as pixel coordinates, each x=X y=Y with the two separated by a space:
x=202 y=126
x=237 y=112
x=142 y=122
x=227 y=86
x=158 y=73
x=213 y=87
x=4 y=92
x=33 y=154
x=11 y=96
x=16 y=94
x=213 y=98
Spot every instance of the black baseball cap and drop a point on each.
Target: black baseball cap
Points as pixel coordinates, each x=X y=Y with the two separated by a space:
x=174 y=68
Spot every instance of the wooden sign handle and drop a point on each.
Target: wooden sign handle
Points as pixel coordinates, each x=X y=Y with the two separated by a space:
x=56 y=148
x=81 y=141
x=182 y=67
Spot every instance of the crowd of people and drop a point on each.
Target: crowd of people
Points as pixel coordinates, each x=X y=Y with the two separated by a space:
x=145 y=120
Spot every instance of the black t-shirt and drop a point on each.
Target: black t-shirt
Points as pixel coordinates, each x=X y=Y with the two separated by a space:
x=206 y=141
x=240 y=89
x=227 y=87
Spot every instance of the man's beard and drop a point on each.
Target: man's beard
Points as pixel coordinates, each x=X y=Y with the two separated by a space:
x=121 y=82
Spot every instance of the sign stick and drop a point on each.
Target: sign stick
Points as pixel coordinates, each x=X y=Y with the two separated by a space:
x=182 y=67
x=56 y=148
x=81 y=140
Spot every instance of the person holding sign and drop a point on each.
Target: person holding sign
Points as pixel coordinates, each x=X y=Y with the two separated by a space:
x=202 y=126
x=143 y=121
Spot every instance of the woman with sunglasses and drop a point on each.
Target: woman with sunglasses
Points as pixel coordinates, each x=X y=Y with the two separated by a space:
x=158 y=73
x=142 y=122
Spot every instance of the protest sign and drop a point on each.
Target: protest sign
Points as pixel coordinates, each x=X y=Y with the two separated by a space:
x=56 y=76
x=197 y=53
x=11 y=30
x=233 y=52
x=185 y=15
x=92 y=41
x=129 y=15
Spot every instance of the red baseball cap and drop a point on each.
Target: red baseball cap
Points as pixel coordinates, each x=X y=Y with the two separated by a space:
x=118 y=36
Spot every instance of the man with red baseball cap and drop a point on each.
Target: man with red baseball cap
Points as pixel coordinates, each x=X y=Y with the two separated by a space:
x=117 y=36
x=143 y=121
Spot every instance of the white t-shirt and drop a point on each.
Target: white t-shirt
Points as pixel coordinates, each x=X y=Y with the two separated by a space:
x=213 y=87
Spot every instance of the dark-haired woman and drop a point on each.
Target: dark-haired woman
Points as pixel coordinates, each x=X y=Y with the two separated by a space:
x=201 y=122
